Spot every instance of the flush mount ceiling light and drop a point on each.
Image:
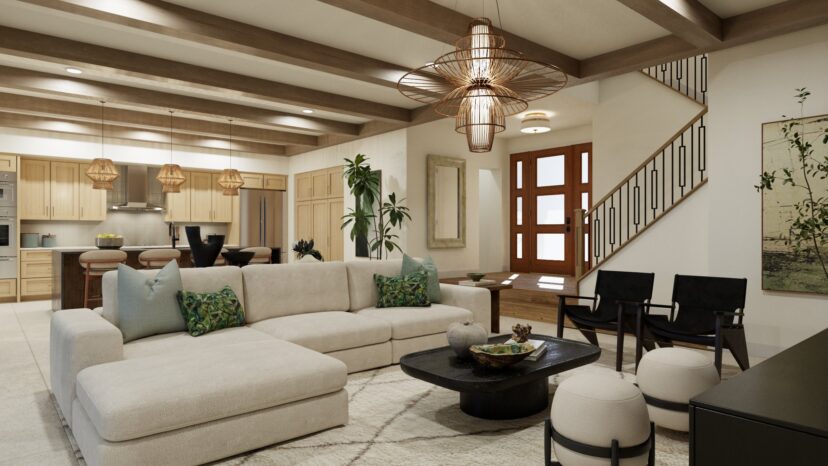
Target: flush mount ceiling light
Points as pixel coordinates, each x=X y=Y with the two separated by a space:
x=170 y=176
x=102 y=171
x=72 y=70
x=480 y=83
x=230 y=179
x=307 y=110
x=535 y=123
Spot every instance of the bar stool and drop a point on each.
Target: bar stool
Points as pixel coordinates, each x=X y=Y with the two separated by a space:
x=261 y=255
x=95 y=264
x=157 y=258
x=220 y=259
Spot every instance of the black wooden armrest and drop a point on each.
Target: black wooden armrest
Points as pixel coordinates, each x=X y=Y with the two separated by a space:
x=664 y=306
x=572 y=296
x=729 y=313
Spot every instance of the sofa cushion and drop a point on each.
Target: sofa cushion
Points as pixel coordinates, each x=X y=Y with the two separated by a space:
x=148 y=306
x=361 y=286
x=327 y=331
x=135 y=398
x=279 y=290
x=208 y=312
x=403 y=291
x=171 y=343
x=410 y=322
x=198 y=280
x=411 y=265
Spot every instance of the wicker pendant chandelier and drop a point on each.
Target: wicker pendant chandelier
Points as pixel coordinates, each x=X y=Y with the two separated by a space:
x=480 y=83
x=102 y=171
x=230 y=179
x=170 y=176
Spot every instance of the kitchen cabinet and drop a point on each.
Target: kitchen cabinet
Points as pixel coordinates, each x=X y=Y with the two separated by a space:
x=34 y=200
x=304 y=220
x=335 y=234
x=275 y=182
x=252 y=180
x=8 y=288
x=35 y=273
x=201 y=197
x=322 y=227
x=92 y=201
x=336 y=185
x=222 y=206
x=304 y=186
x=319 y=209
x=8 y=163
x=64 y=190
x=321 y=184
x=178 y=204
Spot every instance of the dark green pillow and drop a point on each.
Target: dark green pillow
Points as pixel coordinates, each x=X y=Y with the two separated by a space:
x=404 y=291
x=411 y=265
x=205 y=312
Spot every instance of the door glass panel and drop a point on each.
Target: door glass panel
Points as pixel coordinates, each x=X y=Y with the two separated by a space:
x=551 y=171
x=586 y=247
x=519 y=174
x=519 y=209
x=519 y=245
x=584 y=167
x=551 y=209
x=585 y=205
x=550 y=247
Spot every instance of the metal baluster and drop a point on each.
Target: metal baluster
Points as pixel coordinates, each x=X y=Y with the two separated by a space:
x=672 y=172
x=628 y=209
x=612 y=222
x=596 y=233
x=663 y=184
x=702 y=147
x=604 y=225
x=654 y=190
x=704 y=78
x=636 y=203
x=692 y=161
x=644 y=175
x=682 y=165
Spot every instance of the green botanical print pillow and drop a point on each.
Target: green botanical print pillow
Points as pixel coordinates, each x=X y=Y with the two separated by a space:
x=205 y=312
x=403 y=291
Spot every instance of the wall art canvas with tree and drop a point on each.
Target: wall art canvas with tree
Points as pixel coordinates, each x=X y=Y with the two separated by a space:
x=794 y=186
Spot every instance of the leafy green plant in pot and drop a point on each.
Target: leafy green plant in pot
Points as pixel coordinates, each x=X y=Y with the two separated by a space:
x=304 y=248
x=374 y=218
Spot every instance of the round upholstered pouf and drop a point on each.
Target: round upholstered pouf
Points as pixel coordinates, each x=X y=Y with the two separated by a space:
x=669 y=378
x=594 y=410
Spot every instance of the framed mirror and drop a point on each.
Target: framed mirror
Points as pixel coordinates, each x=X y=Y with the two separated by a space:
x=446 y=202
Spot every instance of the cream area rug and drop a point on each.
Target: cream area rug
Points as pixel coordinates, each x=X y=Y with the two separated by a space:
x=398 y=420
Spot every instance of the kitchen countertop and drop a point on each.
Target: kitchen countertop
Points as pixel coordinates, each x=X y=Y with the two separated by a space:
x=124 y=248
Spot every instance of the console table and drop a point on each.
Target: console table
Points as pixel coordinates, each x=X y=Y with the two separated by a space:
x=772 y=414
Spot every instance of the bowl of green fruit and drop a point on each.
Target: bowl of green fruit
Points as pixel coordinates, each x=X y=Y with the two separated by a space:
x=109 y=241
x=498 y=356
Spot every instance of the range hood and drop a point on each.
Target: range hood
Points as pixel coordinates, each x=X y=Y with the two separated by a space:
x=136 y=190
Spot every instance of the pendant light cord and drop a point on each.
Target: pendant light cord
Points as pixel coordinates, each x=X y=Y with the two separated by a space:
x=102 y=128
x=499 y=18
x=171 y=137
x=231 y=141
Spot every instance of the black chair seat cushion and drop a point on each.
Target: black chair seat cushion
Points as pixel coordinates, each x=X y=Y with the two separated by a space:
x=661 y=326
x=584 y=315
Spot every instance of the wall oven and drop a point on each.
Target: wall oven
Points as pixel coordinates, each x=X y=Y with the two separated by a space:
x=8 y=196
x=8 y=242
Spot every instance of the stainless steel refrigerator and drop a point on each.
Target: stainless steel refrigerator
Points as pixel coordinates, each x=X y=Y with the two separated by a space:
x=262 y=218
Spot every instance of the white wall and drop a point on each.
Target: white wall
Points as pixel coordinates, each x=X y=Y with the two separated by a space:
x=552 y=139
x=751 y=85
x=492 y=221
x=386 y=152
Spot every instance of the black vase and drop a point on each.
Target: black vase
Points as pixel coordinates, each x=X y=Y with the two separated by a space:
x=203 y=254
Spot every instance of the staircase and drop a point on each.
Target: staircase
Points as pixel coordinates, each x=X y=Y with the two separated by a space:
x=664 y=180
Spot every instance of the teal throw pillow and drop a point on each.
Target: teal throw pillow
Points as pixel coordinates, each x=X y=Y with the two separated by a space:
x=411 y=265
x=205 y=312
x=403 y=291
x=148 y=306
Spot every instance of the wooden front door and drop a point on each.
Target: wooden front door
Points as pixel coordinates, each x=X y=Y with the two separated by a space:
x=546 y=187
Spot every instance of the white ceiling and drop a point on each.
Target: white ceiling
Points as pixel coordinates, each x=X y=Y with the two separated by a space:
x=728 y=8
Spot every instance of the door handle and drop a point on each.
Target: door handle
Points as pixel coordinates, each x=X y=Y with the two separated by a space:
x=568 y=221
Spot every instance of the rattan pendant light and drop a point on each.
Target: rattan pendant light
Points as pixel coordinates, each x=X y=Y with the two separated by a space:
x=230 y=179
x=171 y=177
x=480 y=83
x=102 y=171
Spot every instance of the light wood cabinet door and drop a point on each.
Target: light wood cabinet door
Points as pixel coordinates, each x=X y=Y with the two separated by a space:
x=252 y=180
x=304 y=221
x=336 y=184
x=8 y=288
x=178 y=204
x=304 y=187
x=201 y=197
x=64 y=191
x=222 y=205
x=92 y=202
x=275 y=182
x=35 y=286
x=33 y=197
x=321 y=185
x=35 y=269
x=321 y=227
x=335 y=212
x=8 y=163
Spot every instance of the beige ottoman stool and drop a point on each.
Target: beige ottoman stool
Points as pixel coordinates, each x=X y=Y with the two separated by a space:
x=597 y=420
x=669 y=377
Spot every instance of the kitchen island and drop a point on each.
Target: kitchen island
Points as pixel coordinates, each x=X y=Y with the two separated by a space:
x=67 y=274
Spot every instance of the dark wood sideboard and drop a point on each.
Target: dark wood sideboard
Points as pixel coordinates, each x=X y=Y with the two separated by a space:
x=775 y=413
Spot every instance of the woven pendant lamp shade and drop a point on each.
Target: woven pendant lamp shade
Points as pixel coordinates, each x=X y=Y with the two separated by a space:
x=171 y=178
x=102 y=172
x=230 y=181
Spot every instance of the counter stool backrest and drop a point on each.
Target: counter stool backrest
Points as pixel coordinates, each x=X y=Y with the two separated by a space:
x=157 y=258
x=612 y=286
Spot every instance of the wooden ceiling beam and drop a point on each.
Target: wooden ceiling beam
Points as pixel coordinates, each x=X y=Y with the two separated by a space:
x=65 y=110
x=89 y=57
x=764 y=23
x=446 y=25
x=39 y=123
x=38 y=82
x=183 y=23
x=686 y=19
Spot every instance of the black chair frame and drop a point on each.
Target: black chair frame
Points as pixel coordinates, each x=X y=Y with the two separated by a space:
x=614 y=453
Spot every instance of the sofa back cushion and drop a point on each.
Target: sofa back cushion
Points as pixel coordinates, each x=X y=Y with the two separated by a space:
x=361 y=285
x=277 y=290
x=199 y=280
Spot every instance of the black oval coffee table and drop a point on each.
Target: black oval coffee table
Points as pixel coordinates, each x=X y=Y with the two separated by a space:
x=510 y=393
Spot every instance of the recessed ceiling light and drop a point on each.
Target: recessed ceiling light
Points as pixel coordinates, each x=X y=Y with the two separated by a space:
x=72 y=70
x=307 y=110
x=535 y=123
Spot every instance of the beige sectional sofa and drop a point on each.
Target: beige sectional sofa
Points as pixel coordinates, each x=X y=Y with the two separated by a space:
x=178 y=399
